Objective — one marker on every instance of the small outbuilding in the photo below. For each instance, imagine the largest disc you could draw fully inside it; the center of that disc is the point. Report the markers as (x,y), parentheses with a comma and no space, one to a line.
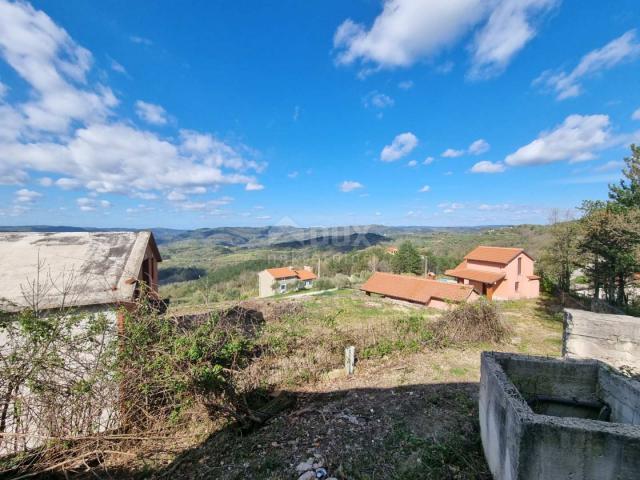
(97,270)
(423,291)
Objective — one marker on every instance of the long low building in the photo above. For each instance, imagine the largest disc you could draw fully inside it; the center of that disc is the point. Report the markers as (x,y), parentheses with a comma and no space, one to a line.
(423,291)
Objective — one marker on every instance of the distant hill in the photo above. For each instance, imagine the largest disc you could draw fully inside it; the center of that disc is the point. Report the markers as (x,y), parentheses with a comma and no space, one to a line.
(346,243)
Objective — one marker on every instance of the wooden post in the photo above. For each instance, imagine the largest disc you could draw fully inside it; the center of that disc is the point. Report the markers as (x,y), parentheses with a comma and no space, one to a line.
(349,359)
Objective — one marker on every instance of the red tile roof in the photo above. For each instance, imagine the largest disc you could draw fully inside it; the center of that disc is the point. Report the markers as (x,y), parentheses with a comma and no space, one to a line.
(415,289)
(286,272)
(502,255)
(474,274)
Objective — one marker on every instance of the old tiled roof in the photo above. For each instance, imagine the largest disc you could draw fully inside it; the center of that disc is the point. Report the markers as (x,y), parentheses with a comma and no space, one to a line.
(305,275)
(475,274)
(502,255)
(286,272)
(415,289)
(75,268)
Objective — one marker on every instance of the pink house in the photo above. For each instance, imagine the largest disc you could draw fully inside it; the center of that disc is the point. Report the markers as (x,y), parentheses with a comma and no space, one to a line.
(499,273)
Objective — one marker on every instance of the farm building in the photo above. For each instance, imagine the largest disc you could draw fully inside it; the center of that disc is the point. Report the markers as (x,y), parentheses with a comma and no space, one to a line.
(427,292)
(284,279)
(499,273)
(97,270)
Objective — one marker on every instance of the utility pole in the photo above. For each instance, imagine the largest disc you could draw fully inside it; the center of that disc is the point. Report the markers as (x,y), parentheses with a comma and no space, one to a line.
(426,266)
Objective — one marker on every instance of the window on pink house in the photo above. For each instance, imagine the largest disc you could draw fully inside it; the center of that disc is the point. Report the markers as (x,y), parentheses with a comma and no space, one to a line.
(517,286)
(519,265)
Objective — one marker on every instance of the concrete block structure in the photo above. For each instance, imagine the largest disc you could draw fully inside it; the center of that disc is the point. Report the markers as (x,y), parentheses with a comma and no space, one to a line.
(614,339)
(554,419)
(499,273)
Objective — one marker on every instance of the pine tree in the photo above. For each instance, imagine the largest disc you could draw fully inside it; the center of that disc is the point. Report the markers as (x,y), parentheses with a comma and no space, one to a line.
(627,193)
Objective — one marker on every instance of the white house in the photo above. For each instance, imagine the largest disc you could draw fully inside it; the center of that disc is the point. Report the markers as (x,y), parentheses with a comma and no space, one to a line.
(281,280)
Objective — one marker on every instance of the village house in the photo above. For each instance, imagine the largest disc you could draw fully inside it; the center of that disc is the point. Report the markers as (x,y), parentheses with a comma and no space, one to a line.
(284,279)
(392,250)
(88,270)
(423,291)
(499,273)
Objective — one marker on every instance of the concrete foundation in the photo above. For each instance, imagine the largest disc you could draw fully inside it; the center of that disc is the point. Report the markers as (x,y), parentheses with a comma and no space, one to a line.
(543,418)
(614,339)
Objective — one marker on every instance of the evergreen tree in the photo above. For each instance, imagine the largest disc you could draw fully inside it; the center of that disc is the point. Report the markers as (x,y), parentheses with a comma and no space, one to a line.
(627,193)
(407,260)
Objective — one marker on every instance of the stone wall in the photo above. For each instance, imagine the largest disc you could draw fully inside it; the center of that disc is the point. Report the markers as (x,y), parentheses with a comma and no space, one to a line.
(614,339)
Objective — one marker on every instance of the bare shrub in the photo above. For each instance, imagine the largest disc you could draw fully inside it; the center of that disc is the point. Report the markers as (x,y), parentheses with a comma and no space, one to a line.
(475,322)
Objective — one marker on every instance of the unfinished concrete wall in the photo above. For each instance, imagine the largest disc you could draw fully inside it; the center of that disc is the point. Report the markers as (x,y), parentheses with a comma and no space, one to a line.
(565,444)
(614,339)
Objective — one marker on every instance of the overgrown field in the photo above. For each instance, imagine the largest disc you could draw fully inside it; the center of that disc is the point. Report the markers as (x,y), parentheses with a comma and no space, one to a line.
(409,411)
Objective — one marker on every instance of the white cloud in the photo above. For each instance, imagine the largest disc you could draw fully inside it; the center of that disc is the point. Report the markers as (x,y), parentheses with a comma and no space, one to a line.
(567,85)
(264,217)
(401,146)
(26,196)
(45,181)
(609,166)
(3,90)
(412,163)
(428,161)
(293,174)
(151,113)
(479,147)
(488,167)
(67,183)
(636,115)
(452,153)
(117,67)
(350,186)
(407,31)
(576,139)
(378,100)
(296,113)
(253,187)
(425,189)
(90,204)
(140,40)
(507,31)
(67,128)
(176,196)
(406,85)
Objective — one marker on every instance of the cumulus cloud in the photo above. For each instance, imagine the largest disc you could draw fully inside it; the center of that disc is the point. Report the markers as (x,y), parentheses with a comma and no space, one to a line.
(67,128)
(428,161)
(425,189)
(378,100)
(401,146)
(406,85)
(412,163)
(479,147)
(151,113)
(91,204)
(576,139)
(452,153)
(253,187)
(488,167)
(350,186)
(567,85)
(507,31)
(636,115)
(26,196)
(407,31)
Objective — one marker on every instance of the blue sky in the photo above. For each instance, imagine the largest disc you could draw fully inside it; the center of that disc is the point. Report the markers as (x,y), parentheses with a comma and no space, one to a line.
(404,112)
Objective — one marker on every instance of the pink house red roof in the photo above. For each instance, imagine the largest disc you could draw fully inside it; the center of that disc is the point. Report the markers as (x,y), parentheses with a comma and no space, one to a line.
(473,274)
(415,289)
(502,255)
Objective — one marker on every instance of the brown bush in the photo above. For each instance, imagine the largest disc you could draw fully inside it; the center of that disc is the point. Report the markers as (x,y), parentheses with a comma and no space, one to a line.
(475,322)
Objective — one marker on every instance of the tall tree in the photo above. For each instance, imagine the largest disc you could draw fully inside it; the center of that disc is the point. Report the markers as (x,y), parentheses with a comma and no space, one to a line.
(627,193)
(407,260)
(559,258)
